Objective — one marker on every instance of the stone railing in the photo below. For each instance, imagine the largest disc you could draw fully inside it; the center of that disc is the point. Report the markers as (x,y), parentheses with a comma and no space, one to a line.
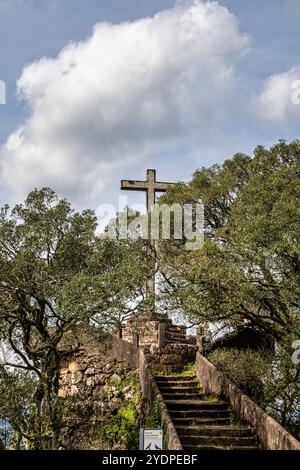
(271,434)
(151,391)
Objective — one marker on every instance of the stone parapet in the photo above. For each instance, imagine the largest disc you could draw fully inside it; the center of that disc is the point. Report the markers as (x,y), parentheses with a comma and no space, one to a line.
(271,434)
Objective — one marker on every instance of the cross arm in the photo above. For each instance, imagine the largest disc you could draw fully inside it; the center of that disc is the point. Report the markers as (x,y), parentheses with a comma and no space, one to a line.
(131,185)
(162,187)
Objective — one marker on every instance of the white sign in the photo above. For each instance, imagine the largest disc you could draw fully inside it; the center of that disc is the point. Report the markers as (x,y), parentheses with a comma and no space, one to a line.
(151,439)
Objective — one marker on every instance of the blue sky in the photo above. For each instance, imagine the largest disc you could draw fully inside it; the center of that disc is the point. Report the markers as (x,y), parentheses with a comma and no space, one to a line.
(247,108)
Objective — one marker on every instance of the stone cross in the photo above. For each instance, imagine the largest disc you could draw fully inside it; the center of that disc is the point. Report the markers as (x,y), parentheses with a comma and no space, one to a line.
(151,187)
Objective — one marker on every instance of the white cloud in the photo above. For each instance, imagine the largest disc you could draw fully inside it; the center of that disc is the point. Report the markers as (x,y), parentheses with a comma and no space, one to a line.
(278,103)
(128,91)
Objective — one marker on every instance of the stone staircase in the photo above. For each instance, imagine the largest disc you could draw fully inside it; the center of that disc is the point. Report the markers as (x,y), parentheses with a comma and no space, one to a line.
(201,422)
(177,334)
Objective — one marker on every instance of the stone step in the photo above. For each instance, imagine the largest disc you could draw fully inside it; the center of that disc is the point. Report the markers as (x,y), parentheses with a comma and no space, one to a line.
(176,331)
(199,414)
(175,378)
(182,396)
(182,405)
(177,383)
(175,339)
(203,447)
(177,328)
(215,431)
(179,334)
(184,386)
(191,414)
(181,383)
(200,421)
(224,441)
(180,341)
(176,334)
(174,388)
(187,341)
(161,318)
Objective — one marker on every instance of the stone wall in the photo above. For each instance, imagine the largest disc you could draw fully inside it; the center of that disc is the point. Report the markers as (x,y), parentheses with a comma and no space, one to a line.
(91,384)
(92,363)
(272,435)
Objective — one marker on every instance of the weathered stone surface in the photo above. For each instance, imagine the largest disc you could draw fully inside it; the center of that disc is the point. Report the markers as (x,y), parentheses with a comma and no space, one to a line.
(74,389)
(77,376)
(89,381)
(101,377)
(73,366)
(116,378)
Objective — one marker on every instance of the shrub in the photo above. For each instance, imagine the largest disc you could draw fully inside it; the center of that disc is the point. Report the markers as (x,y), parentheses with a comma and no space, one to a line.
(246,368)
